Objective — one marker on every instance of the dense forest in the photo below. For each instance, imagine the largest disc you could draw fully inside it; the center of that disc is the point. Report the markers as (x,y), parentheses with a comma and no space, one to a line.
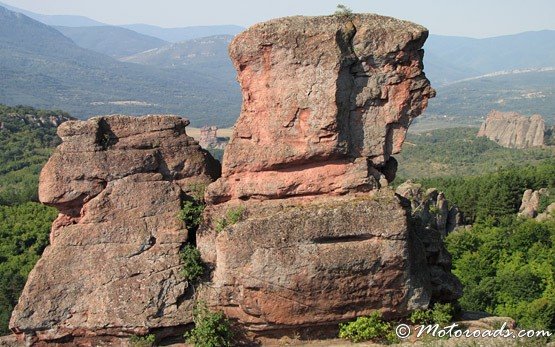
(26,140)
(506,263)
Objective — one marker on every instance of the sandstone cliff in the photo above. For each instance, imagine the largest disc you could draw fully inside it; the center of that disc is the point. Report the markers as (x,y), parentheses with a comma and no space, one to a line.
(113,264)
(512,130)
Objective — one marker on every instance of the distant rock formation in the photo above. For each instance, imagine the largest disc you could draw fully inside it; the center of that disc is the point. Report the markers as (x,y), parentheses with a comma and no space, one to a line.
(113,264)
(509,129)
(327,101)
(431,207)
(48,121)
(209,138)
(531,205)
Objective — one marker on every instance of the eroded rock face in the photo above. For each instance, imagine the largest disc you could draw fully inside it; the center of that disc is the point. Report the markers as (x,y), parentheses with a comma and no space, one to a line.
(326,101)
(301,230)
(509,129)
(431,208)
(293,263)
(113,264)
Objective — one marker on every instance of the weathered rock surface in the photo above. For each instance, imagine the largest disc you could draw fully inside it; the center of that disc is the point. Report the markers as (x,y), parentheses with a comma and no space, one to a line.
(431,208)
(326,101)
(317,262)
(296,231)
(509,129)
(113,264)
(530,206)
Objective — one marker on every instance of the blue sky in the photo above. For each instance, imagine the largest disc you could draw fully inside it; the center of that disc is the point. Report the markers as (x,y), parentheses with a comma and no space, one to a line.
(474,18)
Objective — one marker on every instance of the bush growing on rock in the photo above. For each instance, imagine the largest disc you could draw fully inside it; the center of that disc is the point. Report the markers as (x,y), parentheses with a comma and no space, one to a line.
(191,214)
(441,314)
(232,216)
(142,341)
(193,267)
(367,329)
(212,329)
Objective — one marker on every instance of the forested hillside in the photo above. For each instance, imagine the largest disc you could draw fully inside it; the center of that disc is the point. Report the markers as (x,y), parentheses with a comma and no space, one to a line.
(505,263)
(458,152)
(27,137)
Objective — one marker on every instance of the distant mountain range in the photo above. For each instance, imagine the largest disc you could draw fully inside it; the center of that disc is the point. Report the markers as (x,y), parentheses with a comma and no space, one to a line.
(448,59)
(41,67)
(77,71)
(165,34)
(187,33)
(111,40)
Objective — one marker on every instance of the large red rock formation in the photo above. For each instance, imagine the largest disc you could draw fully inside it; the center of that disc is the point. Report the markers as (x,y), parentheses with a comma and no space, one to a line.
(326,101)
(296,230)
(512,130)
(113,264)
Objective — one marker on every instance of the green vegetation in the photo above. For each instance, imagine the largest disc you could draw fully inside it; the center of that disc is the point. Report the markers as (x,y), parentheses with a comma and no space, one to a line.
(343,11)
(25,143)
(508,270)
(546,200)
(212,329)
(191,214)
(458,152)
(494,196)
(441,314)
(232,216)
(371,328)
(193,268)
(24,231)
(142,341)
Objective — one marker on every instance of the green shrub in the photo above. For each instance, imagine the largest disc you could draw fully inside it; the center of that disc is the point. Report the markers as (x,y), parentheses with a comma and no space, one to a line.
(193,268)
(442,314)
(343,11)
(196,190)
(232,216)
(421,317)
(142,341)
(212,329)
(546,200)
(368,328)
(191,214)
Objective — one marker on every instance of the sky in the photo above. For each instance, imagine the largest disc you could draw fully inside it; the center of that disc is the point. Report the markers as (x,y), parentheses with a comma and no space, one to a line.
(471,18)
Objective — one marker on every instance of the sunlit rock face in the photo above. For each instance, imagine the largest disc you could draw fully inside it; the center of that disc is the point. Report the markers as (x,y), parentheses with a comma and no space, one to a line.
(320,238)
(113,264)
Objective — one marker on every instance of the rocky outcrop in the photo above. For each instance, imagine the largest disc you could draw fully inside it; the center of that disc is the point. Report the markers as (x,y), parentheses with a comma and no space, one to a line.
(113,266)
(531,205)
(209,138)
(431,208)
(301,230)
(326,102)
(512,130)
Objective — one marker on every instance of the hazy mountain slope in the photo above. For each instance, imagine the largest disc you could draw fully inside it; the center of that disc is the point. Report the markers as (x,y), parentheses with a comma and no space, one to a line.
(41,67)
(448,58)
(208,54)
(186,33)
(64,20)
(526,93)
(111,40)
